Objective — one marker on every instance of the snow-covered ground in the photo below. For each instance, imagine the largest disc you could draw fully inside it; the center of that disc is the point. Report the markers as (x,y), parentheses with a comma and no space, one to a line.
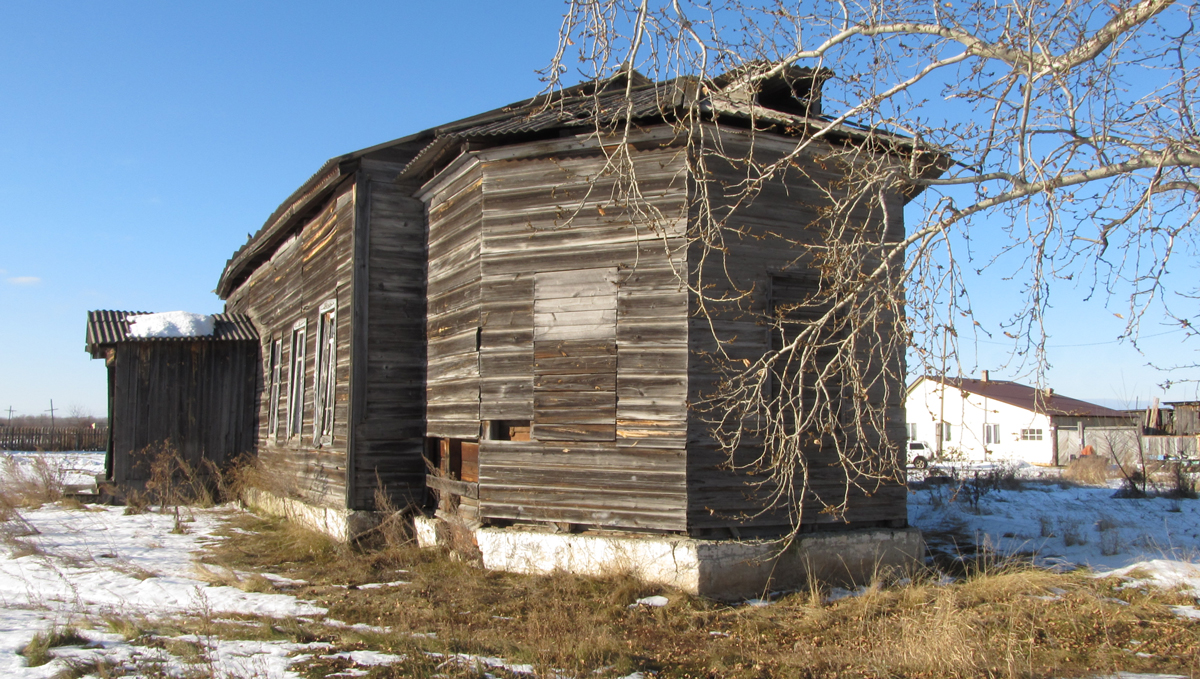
(74,468)
(82,566)
(1063,525)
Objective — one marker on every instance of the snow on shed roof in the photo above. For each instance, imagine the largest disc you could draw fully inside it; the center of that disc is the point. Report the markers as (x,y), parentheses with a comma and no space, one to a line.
(111,327)
(1029,398)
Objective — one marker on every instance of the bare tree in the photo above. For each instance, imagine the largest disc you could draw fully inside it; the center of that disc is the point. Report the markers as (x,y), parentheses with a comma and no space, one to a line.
(1055,140)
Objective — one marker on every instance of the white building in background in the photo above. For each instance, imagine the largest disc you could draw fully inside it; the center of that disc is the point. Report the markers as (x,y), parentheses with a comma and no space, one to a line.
(984,419)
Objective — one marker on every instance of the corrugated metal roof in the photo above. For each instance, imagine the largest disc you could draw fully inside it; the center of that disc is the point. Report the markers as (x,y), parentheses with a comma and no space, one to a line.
(1029,398)
(112,327)
(580,106)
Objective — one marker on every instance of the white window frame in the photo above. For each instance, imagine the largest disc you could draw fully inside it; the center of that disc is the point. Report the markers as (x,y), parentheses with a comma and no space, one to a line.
(911,428)
(274,375)
(991,434)
(295,408)
(1031,434)
(946,432)
(325,373)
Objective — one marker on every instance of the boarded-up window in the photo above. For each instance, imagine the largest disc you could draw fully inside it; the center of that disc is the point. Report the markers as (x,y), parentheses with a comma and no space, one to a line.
(274,373)
(797,306)
(296,375)
(324,379)
(575,355)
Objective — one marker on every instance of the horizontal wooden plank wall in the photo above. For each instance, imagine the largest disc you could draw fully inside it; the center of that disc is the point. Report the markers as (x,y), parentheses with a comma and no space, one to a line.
(575,355)
(389,434)
(455,208)
(543,215)
(313,266)
(786,210)
(198,397)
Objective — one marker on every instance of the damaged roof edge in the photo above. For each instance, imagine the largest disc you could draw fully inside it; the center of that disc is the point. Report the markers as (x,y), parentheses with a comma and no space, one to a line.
(679,90)
(330,173)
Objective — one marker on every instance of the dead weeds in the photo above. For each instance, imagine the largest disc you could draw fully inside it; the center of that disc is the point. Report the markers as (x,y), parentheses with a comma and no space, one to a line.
(1005,620)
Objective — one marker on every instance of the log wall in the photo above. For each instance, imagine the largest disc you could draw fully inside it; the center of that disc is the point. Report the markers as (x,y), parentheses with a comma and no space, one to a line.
(584,336)
(389,366)
(311,267)
(455,208)
(760,257)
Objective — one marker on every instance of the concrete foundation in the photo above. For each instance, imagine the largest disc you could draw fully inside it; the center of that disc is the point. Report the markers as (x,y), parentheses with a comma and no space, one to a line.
(342,525)
(721,569)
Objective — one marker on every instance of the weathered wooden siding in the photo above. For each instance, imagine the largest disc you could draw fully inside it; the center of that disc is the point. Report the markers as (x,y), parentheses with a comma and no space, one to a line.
(785,211)
(455,207)
(389,432)
(198,397)
(561,353)
(313,266)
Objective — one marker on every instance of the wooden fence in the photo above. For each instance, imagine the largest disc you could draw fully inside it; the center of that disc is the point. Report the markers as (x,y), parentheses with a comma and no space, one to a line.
(53,438)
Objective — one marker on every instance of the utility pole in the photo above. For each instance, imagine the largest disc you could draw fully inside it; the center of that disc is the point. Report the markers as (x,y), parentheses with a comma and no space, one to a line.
(51,411)
(10,409)
(941,425)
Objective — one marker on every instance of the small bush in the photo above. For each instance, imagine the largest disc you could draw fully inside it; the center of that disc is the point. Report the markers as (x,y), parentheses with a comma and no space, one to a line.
(1047,525)
(171,480)
(1111,542)
(1133,487)
(1181,484)
(1072,532)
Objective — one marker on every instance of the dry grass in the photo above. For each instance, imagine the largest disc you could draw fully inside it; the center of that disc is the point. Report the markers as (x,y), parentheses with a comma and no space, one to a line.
(1000,621)
(1091,470)
(37,651)
(172,481)
(30,481)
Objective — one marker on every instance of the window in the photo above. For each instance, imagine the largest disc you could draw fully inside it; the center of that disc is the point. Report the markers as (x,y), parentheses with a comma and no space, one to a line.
(295,407)
(1031,434)
(325,374)
(945,431)
(912,430)
(275,370)
(991,434)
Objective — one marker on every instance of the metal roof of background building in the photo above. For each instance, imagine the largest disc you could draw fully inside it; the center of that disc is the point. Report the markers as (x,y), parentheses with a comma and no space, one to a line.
(1028,398)
(112,327)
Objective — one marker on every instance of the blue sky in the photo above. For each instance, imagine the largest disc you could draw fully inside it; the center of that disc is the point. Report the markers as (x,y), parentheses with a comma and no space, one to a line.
(141,142)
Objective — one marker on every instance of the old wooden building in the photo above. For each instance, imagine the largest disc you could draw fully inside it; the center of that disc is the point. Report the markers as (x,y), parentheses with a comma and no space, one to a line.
(469,309)
(193,393)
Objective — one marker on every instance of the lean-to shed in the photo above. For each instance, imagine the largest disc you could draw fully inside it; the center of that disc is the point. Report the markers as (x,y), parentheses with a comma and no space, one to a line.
(467,310)
(194,392)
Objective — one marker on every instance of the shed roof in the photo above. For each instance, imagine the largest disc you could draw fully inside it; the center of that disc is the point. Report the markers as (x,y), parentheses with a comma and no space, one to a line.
(112,327)
(1029,398)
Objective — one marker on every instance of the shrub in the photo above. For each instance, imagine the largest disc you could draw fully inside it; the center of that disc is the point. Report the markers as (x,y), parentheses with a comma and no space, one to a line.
(1072,532)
